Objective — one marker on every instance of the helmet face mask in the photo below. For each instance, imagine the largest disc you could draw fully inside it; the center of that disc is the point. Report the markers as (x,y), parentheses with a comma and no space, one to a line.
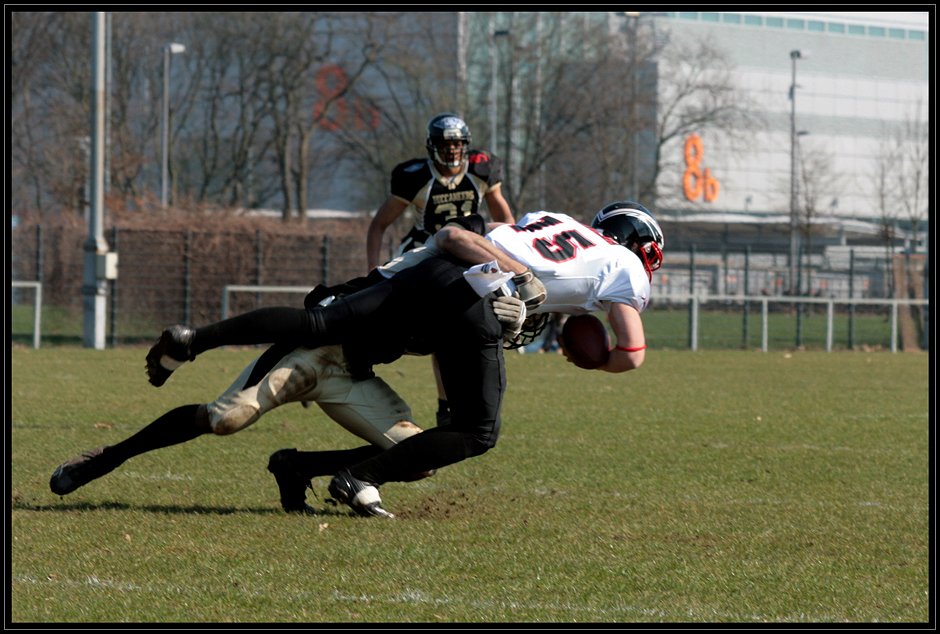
(448,140)
(632,226)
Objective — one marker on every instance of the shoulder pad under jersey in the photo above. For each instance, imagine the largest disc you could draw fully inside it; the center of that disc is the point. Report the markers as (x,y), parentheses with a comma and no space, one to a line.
(485,166)
(409,177)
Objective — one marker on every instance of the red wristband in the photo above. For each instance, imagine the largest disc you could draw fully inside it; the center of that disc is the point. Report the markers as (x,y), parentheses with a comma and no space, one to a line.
(629,349)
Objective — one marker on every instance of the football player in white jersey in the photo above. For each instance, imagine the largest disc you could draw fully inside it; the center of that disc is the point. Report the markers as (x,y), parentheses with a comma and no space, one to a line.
(432,300)
(605,267)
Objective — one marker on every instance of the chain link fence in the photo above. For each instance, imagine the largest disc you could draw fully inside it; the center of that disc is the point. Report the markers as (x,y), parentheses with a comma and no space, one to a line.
(173,276)
(178,276)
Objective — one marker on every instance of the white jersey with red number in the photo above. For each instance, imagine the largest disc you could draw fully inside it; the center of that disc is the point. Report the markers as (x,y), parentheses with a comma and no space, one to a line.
(582,270)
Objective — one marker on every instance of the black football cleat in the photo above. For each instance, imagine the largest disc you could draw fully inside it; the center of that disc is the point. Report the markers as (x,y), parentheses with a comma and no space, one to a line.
(292,485)
(360,496)
(169,353)
(80,470)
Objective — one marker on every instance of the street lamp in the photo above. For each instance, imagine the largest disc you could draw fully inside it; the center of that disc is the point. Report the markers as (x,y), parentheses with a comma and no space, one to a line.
(169,49)
(794,228)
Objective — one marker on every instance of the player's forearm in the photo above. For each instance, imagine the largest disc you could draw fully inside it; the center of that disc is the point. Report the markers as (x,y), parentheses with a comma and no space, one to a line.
(374,246)
(475,249)
(622,361)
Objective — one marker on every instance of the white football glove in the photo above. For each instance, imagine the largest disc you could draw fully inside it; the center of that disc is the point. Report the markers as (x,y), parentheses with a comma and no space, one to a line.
(511,311)
(529,289)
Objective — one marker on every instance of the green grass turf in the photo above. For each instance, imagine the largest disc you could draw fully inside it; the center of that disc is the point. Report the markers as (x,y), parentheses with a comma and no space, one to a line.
(735,487)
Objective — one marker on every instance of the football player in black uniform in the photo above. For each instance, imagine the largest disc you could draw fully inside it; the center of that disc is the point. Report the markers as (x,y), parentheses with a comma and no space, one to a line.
(449,184)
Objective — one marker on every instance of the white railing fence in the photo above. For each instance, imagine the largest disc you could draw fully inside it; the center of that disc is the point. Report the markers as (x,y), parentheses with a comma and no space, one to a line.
(234,288)
(37,307)
(696,300)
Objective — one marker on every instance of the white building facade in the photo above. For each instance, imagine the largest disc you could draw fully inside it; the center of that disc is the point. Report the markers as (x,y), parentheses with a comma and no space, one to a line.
(860,79)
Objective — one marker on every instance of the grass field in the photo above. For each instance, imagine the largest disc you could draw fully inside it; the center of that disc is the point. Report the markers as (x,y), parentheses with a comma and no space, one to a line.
(735,487)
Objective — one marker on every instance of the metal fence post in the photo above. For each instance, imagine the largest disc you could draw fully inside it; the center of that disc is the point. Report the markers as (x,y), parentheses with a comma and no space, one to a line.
(747,304)
(114,291)
(799,292)
(830,311)
(894,326)
(763,326)
(692,316)
(927,306)
(259,247)
(187,283)
(326,260)
(852,296)
(39,253)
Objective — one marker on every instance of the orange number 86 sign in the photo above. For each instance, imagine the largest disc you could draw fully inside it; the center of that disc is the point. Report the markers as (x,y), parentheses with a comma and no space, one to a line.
(694,182)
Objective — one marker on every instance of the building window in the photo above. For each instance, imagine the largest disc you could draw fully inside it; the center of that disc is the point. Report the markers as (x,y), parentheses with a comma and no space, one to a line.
(813,25)
(709,16)
(835,27)
(731,18)
(916,35)
(854,29)
(795,24)
(775,22)
(688,15)
(876,31)
(897,33)
(753,20)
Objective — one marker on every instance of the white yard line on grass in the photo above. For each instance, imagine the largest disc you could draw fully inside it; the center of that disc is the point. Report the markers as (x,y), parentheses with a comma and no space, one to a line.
(414,596)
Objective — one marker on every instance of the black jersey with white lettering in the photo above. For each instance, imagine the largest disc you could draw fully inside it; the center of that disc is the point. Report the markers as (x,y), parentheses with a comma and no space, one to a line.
(437,198)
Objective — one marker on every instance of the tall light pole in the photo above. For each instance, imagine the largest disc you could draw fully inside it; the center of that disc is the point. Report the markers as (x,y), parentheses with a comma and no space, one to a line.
(794,224)
(94,285)
(167,51)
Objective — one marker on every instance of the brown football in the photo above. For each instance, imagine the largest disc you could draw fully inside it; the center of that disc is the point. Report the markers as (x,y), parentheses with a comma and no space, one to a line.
(586,340)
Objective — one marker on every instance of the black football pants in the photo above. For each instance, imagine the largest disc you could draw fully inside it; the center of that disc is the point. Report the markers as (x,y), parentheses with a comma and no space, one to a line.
(474,376)
(430,300)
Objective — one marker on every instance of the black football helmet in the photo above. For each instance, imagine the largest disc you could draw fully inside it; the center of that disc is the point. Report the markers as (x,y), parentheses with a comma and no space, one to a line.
(631,225)
(448,127)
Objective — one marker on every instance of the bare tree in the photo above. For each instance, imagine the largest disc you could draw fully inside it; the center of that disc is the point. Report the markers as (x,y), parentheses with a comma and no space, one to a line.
(362,41)
(587,110)
(884,188)
(911,173)
(412,78)
(228,137)
(911,176)
(817,182)
(50,93)
(609,100)
(696,92)
(30,41)
(299,45)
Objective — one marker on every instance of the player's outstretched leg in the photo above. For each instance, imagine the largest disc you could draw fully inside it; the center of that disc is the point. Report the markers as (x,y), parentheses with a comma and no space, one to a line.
(179,344)
(170,352)
(292,484)
(179,425)
(360,496)
(81,470)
